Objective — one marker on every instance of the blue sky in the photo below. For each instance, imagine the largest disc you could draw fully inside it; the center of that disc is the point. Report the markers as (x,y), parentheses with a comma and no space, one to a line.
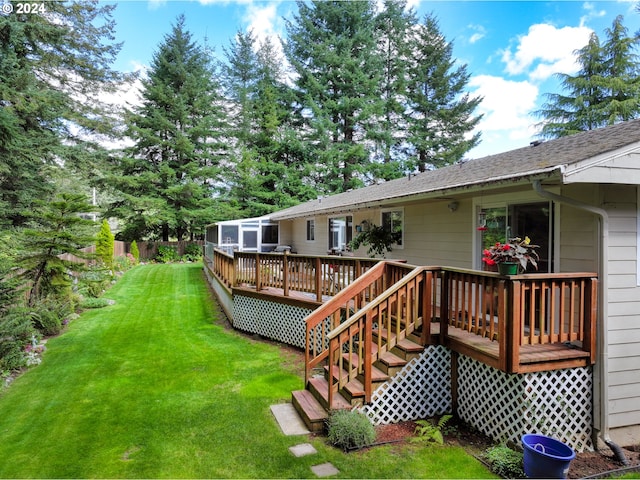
(511,48)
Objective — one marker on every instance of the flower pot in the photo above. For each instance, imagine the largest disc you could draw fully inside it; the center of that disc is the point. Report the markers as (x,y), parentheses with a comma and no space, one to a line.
(546,457)
(508,268)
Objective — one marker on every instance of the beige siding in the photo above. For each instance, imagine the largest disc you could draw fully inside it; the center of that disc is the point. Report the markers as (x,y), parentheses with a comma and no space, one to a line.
(578,232)
(624,305)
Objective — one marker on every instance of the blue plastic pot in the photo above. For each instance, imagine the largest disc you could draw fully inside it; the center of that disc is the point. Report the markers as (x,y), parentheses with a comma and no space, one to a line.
(546,457)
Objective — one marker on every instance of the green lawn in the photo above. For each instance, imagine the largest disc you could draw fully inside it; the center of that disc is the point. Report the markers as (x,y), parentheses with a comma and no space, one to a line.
(155,387)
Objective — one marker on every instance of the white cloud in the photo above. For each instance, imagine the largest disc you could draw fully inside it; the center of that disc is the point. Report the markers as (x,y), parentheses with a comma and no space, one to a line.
(479,33)
(262,19)
(507,122)
(546,50)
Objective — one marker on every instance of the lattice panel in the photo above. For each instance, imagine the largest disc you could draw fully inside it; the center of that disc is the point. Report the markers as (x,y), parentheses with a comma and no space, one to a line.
(421,390)
(277,321)
(563,398)
(505,406)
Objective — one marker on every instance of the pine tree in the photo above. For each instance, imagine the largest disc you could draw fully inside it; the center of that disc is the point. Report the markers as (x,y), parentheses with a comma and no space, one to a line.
(606,89)
(394,25)
(59,229)
(332,48)
(266,175)
(167,178)
(440,113)
(53,67)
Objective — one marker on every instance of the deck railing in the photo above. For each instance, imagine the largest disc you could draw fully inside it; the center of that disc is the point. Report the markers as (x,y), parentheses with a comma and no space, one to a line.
(319,275)
(515,311)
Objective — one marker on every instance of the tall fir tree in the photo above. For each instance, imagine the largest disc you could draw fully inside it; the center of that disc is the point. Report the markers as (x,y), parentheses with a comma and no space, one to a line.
(266,175)
(604,91)
(167,179)
(332,48)
(53,67)
(439,113)
(394,25)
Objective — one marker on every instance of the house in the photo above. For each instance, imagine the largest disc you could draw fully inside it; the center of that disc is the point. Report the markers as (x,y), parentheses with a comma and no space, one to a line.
(578,198)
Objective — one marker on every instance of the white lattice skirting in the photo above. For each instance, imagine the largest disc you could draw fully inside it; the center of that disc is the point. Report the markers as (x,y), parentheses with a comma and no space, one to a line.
(277,321)
(421,390)
(503,406)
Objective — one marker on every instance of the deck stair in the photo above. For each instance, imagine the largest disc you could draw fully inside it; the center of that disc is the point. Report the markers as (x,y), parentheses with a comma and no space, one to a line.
(359,340)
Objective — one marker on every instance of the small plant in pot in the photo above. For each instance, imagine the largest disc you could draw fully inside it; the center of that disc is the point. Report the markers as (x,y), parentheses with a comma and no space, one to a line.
(513,256)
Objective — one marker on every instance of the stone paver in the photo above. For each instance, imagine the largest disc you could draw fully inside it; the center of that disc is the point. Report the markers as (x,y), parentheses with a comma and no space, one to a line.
(288,419)
(325,470)
(303,449)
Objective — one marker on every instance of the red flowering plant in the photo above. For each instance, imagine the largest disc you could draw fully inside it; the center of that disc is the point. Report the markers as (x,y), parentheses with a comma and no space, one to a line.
(516,250)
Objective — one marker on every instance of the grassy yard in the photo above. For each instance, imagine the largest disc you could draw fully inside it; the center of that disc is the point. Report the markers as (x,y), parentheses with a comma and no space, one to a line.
(154,386)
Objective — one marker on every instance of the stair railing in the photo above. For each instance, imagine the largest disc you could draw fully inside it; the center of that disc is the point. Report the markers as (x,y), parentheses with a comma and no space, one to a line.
(395,313)
(341,307)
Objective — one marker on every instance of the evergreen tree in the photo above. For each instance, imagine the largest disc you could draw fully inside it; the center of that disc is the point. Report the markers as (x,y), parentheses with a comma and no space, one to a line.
(266,176)
(53,66)
(439,112)
(606,89)
(58,230)
(167,178)
(394,31)
(332,48)
(104,244)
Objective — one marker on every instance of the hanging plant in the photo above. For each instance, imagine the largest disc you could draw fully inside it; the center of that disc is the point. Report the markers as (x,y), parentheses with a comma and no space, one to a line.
(379,240)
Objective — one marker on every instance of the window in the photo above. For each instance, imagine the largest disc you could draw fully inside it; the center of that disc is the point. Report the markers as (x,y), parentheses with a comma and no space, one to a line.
(270,234)
(393,221)
(228,234)
(311,230)
(340,232)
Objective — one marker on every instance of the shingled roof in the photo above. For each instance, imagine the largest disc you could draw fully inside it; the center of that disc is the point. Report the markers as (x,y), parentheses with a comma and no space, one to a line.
(535,160)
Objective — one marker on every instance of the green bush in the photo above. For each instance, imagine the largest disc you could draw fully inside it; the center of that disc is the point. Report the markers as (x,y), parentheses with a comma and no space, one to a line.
(94,302)
(135,251)
(350,429)
(430,431)
(49,315)
(166,254)
(94,281)
(192,252)
(16,331)
(505,462)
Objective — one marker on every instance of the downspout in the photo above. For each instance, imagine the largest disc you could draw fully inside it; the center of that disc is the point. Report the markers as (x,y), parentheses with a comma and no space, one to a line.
(603,337)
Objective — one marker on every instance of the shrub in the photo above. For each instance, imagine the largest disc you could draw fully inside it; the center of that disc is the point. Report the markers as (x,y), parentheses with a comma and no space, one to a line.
(48,316)
(95,302)
(505,462)
(350,429)
(192,252)
(16,331)
(93,282)
(104,244)
(166,254)
(135,251)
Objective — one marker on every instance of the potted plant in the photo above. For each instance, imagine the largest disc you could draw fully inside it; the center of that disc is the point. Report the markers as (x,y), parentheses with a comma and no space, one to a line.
(510,257)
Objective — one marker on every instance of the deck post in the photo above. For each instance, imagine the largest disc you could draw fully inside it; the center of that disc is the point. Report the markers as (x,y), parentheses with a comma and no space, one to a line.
(258,276)
(514,327)
(285,273)
(367,363)
(318,279)
(444,306)
(427,306)
(591,316)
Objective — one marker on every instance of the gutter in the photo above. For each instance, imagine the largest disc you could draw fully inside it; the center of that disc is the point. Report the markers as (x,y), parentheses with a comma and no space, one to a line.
(603,337)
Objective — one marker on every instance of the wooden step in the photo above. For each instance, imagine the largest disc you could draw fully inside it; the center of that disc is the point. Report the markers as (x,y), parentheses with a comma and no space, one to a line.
(311,411)
(319,387)
(408,349)
(390,363)
(353,390)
